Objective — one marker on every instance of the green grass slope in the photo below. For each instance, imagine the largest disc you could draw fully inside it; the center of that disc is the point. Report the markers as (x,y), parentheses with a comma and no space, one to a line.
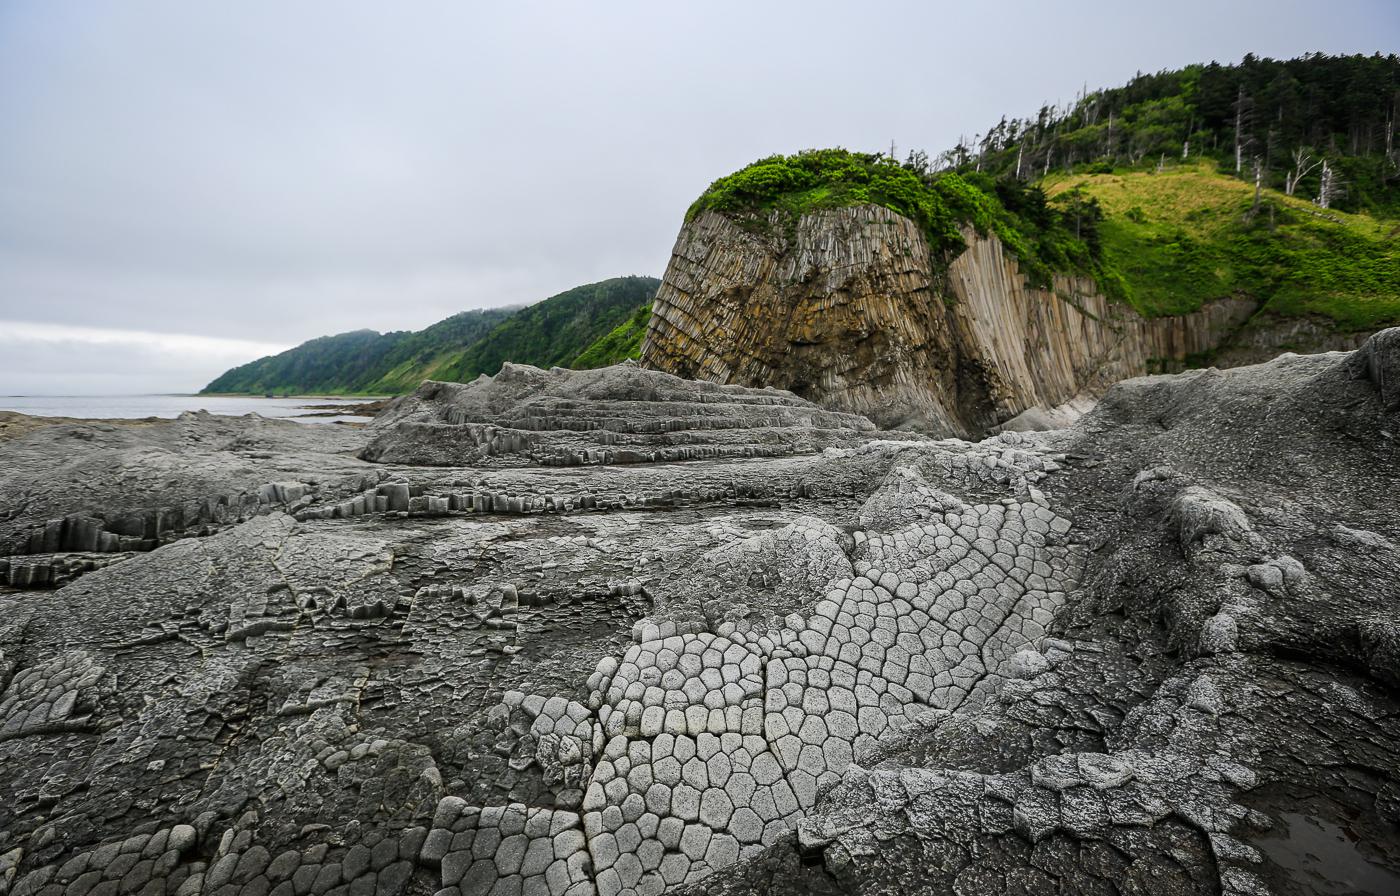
(548,333)
(1176,238)
(554,332)
(418,354)
(622,344)
(329,365)
(362,362)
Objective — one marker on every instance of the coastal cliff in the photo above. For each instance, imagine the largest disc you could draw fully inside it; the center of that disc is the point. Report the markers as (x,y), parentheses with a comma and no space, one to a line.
(844,313)
(610,632)
(849,309)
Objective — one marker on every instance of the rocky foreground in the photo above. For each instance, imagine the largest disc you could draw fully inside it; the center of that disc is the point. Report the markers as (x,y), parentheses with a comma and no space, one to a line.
(613,632)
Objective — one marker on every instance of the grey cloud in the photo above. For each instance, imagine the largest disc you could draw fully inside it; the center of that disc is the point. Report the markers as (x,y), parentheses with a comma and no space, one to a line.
(59,359)
(277,171)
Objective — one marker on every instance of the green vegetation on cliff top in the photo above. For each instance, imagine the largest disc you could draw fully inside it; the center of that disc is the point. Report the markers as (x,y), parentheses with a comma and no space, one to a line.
(553,332)
(1279,180)
(778,190)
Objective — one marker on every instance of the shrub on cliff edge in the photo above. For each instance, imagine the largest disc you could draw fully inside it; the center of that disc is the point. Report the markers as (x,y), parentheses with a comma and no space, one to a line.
(781,189)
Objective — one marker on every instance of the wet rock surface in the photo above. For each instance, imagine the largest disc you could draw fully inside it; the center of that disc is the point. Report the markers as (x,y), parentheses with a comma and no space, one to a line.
(1155,653)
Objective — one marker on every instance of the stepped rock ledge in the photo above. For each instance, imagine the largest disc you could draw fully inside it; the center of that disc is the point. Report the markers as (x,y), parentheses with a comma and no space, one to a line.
(618,633)
(850,311)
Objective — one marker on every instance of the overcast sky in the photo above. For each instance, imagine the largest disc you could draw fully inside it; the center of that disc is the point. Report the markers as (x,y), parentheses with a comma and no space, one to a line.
(186,186)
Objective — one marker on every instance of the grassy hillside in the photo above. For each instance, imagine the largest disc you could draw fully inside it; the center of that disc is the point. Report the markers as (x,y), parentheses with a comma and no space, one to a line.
(1274,179)
(1173,239)
(359,363)
(328,365)
(552,332)
(623,343)
(1316,127)
(417,356)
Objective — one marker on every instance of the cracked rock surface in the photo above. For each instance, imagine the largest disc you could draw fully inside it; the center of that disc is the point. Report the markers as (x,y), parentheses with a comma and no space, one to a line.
(616,633)
(615,415)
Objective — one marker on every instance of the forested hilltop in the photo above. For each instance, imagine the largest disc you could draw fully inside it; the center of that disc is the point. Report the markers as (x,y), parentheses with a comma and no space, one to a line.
(1316,127)
(554,332)
(1275,180)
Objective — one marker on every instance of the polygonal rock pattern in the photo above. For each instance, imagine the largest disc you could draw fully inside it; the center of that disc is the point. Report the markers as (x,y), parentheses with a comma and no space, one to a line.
(508,849)
(52,697)
(1141,655)
(697,732)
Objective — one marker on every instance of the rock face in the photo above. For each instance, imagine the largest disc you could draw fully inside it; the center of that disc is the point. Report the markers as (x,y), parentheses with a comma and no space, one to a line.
(850,312)
(1152,653)
(109,488)
(1266,335)
(620,414)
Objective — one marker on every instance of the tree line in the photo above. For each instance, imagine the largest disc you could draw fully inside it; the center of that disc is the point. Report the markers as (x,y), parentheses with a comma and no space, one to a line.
(1320,127)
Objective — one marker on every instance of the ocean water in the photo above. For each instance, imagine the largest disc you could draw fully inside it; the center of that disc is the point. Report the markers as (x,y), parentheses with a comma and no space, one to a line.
(137,406)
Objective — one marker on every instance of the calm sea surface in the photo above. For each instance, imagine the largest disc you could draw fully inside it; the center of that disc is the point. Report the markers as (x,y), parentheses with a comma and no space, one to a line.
(136,406)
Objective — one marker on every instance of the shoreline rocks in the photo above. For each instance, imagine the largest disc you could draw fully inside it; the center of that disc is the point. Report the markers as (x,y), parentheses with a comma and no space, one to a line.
(1143,651)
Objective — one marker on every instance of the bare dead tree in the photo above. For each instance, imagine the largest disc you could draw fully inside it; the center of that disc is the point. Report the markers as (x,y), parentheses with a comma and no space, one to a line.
(1390,154)
(1244,114)
(1088,111)
(1390,129)
(1390,125)
(1258,187)
(1303,163)
(1331,186)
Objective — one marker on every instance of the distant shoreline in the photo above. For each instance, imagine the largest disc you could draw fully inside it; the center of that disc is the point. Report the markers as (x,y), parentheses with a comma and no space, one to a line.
(348,397)
(148,407)
(367,408)
(365,397)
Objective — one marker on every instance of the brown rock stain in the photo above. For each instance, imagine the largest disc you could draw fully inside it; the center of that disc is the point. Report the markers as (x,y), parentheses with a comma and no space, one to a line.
(851,311)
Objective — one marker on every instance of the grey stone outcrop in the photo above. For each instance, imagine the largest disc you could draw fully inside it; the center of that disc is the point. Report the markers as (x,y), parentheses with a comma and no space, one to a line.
(850,310)
(1154,653)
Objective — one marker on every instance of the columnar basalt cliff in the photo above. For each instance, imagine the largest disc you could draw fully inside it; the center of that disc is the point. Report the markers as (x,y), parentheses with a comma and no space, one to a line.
(1023,348)
(849,309)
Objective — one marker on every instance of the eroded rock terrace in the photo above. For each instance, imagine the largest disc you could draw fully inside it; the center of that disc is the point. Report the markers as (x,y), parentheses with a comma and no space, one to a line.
(1147,654)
